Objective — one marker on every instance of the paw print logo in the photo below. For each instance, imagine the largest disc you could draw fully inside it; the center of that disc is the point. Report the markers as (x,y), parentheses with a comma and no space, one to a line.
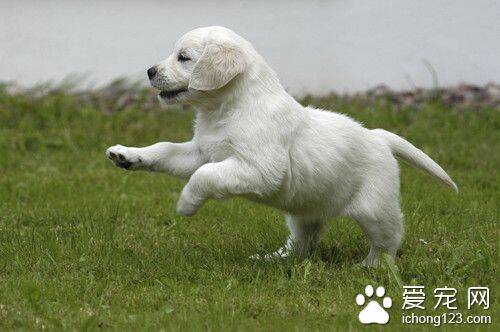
(373,312)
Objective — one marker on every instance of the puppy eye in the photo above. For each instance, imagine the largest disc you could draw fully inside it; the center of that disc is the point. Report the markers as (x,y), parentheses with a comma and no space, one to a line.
(182,58)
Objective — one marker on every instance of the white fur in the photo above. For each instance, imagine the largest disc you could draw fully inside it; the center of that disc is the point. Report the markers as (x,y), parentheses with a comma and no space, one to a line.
(253,139)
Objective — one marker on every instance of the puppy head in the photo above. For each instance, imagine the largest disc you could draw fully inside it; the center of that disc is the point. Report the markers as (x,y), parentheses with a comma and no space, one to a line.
(204,61)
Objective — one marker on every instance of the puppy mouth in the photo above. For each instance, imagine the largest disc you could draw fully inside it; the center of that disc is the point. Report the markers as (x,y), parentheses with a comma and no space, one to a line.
(171,93)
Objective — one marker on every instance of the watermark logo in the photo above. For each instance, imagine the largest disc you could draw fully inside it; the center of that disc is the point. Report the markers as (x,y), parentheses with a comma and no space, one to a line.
(442,306)
(373,312)
(445,298)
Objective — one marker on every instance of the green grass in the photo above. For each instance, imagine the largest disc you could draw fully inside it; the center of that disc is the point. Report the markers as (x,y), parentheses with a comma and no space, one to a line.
(87,246)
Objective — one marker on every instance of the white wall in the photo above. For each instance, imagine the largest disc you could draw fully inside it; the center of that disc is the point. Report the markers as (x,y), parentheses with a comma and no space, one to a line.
(315,46)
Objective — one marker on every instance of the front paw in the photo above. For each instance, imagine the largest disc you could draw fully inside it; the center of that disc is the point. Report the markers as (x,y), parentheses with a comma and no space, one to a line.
(124,157)
(188,204)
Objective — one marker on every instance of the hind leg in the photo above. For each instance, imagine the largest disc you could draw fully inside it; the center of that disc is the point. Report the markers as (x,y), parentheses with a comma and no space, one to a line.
(384,236)
(305,233)
(384,232)
(377,211)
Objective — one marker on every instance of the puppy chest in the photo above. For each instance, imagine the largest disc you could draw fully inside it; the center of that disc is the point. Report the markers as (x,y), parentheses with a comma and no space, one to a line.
(216,147)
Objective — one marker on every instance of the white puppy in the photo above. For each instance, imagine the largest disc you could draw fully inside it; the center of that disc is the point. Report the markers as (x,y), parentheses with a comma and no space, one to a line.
(252,139)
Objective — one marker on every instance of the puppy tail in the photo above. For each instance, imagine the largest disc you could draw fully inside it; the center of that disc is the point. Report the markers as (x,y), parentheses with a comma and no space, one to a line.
(405,150)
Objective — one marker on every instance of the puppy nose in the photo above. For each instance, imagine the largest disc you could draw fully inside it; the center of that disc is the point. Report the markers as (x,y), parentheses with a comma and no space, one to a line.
(152,72)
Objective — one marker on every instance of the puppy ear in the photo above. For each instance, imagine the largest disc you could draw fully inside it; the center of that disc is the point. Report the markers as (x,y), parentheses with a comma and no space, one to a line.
(220,62)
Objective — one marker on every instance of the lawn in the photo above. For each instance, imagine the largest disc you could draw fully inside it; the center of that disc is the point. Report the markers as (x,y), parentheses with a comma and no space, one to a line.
(87,246)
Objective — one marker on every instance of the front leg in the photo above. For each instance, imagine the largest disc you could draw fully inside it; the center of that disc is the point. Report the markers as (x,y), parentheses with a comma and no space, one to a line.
(125,157)
(219,180)
(179,159)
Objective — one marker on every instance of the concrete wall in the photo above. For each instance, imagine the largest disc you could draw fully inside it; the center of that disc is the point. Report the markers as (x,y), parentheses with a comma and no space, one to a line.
(315,46)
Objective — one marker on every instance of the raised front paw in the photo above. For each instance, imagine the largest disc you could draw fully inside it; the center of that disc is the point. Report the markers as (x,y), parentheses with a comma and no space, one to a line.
(186,207)
(188,204)
(124,157)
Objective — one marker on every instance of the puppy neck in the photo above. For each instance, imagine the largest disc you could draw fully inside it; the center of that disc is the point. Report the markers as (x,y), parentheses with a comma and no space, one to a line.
(258,83)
